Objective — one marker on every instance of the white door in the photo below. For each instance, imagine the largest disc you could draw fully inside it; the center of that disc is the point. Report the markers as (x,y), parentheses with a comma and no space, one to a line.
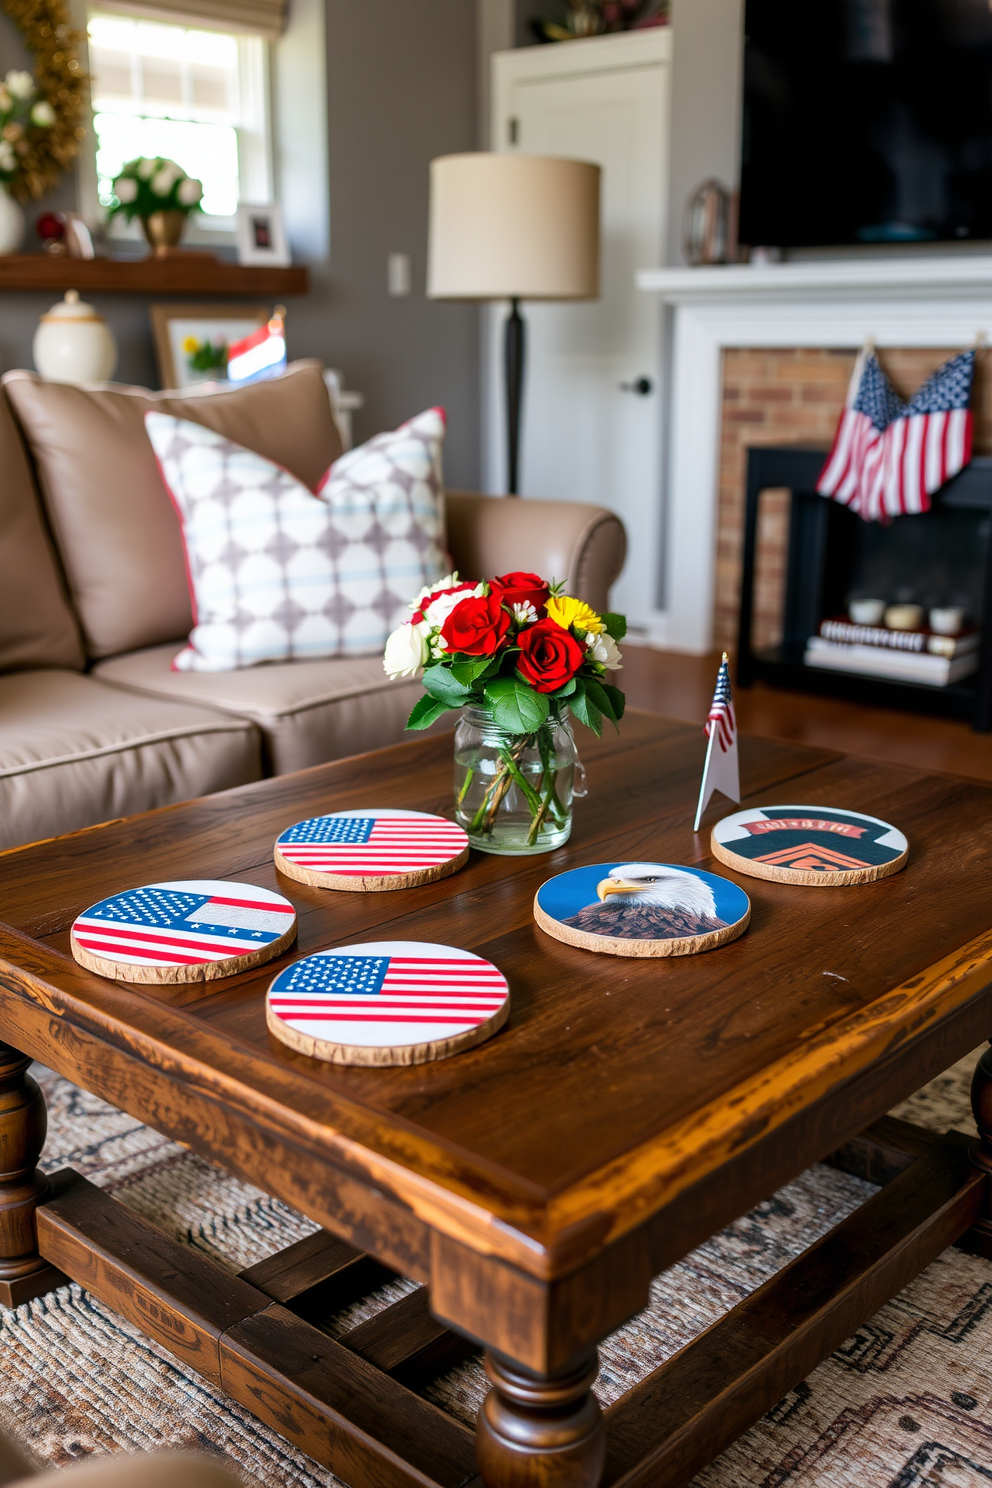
(590,430)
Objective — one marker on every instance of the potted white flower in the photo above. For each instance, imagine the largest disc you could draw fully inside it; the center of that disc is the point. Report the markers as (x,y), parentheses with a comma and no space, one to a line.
(161,195)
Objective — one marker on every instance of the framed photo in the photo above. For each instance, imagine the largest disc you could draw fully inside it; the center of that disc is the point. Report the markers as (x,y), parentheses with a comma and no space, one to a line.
(192,341)
(262,237)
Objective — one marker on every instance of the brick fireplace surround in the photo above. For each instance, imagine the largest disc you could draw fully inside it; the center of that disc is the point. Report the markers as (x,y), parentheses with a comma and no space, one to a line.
(763,355)
(794,396)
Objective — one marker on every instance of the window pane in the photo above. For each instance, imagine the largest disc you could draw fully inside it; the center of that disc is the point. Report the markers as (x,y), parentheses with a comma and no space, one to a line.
(207,151)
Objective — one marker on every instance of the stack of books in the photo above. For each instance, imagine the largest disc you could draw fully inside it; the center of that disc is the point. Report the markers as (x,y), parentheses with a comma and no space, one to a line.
(900,655)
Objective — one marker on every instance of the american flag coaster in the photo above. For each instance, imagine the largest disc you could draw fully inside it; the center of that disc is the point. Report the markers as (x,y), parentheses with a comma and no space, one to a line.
(642,909)
(817,846)
(387,1002)
(371,849)
(188,931)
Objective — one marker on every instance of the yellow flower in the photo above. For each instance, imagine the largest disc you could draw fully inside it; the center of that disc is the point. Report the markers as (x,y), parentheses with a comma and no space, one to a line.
(190,344)
(565,611)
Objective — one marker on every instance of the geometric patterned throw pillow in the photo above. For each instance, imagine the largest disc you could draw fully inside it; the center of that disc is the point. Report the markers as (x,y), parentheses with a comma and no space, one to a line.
(279,573)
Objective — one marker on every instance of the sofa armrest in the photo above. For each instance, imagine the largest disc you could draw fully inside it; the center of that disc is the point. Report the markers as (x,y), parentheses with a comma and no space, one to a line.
(584,545)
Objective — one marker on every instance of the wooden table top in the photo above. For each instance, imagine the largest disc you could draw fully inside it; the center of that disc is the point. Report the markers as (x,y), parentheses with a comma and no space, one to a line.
(617,1085)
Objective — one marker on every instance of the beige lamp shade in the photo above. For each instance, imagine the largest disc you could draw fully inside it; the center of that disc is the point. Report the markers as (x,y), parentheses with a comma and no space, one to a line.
(513,227)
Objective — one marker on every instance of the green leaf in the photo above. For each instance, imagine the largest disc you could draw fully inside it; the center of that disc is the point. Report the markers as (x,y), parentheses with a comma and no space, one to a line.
(566,691)
(465,672)
(585,710)
(515,706)
(615,625)
(616,697)
(425,711)
(600,698)
(440,683)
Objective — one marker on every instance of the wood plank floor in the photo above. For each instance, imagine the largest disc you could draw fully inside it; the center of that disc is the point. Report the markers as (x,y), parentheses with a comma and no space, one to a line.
(682,686)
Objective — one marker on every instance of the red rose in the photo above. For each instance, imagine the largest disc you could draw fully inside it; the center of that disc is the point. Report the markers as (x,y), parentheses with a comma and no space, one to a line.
(476,627)
(425,604)
(521,588)
(549,656)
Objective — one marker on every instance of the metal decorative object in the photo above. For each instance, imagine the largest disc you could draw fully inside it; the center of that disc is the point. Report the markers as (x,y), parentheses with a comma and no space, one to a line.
(706,237)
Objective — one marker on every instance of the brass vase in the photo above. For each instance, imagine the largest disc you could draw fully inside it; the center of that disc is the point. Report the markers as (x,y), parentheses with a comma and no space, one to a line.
(164,231)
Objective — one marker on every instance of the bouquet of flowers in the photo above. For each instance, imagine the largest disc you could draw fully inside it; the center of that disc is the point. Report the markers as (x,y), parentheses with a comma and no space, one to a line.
(525,652)
(23,116)
(153,184)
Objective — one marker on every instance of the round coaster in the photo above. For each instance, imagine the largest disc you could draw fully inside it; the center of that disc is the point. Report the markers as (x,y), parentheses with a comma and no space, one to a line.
(813,845)
(190,931)
(371,849)
(642,909)
(387,1002)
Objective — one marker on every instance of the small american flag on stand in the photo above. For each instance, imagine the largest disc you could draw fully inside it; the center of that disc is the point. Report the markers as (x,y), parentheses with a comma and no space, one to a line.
(720,771)
(889,457)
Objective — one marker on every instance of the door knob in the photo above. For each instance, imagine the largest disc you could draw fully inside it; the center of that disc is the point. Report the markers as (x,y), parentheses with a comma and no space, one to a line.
(641,386)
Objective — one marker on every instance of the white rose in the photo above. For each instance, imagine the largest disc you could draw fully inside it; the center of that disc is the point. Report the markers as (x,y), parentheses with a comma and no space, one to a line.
(406,651)
(20,84)
(7,157)
(163,181)
(604,649)
(6,101)
(428,590)
(146,168)
(189,192)
(439,609)
(126,189)
(43,115)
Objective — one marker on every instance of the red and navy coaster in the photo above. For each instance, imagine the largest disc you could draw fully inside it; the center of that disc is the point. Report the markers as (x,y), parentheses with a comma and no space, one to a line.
(642,909)
(811,845)
(387,1002)
(189,931)
(371,849)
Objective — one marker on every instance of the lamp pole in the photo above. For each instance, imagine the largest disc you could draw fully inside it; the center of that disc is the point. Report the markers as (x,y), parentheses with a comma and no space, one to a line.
(514,344)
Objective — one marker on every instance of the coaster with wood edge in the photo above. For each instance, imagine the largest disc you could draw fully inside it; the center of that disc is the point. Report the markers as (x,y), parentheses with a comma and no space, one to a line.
(192,930)
(389,1002)
(817,846)
(371,849)
(642,909)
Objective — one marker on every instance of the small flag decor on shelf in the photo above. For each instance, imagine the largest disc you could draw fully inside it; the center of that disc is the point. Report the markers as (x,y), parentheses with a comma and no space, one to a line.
(261,355)
(387,1003)
(720,772)
(371,849)
(188,931)
(889,457)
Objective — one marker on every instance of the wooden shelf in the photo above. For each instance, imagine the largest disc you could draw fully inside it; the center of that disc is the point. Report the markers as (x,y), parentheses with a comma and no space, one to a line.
(180,273)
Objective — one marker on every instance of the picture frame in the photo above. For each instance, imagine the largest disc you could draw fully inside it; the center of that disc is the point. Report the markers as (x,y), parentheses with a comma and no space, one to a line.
(261,236)
(212,326)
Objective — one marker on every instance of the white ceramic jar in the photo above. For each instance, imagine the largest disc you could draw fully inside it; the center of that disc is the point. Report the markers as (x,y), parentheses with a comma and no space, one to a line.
(73,343)
(11,224)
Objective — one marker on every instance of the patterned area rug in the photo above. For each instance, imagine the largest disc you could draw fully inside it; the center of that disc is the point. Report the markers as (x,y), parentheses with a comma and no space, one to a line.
(906,1403)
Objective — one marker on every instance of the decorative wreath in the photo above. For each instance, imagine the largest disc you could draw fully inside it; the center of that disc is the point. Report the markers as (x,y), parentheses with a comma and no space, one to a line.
(61,81)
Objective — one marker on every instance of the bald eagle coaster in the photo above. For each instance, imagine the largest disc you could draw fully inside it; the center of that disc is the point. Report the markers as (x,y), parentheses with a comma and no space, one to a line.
(813,845)
(387,1002)
(192,930)
(371,849)
(642,909)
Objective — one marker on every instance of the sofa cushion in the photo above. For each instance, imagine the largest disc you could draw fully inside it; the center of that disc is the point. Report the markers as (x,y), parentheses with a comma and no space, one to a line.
(74,752)
(114,525)
(37,627)
(307,711)
(280,573)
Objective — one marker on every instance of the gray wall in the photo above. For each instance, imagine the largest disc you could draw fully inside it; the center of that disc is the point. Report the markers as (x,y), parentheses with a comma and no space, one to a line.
(400,87)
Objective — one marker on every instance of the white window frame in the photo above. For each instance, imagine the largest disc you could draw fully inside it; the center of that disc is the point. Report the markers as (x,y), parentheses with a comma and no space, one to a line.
(255,148)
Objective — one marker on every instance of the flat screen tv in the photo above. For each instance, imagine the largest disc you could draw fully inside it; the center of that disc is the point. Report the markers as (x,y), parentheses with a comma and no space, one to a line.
(866,121)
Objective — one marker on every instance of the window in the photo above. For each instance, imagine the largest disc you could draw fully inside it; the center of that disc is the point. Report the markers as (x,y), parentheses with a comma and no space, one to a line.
(198,97)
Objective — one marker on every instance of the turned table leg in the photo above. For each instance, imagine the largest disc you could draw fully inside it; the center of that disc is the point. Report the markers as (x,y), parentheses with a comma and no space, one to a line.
(539,1431)
(23,1124)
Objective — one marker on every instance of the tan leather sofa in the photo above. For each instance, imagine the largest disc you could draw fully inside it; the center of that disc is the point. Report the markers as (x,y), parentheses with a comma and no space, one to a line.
(150,1469)
(94,605)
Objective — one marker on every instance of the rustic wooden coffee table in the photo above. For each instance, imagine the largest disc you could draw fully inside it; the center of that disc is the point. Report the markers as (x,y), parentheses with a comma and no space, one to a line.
(538,1183)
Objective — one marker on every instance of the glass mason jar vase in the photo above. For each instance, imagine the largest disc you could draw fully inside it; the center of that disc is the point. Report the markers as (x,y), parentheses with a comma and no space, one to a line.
(513,792)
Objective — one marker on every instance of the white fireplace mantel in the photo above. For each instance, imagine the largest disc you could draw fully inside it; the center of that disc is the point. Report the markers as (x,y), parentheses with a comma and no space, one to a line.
(907,301)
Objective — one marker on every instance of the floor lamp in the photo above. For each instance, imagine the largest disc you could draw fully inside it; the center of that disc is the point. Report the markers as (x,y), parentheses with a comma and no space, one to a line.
(513,227)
